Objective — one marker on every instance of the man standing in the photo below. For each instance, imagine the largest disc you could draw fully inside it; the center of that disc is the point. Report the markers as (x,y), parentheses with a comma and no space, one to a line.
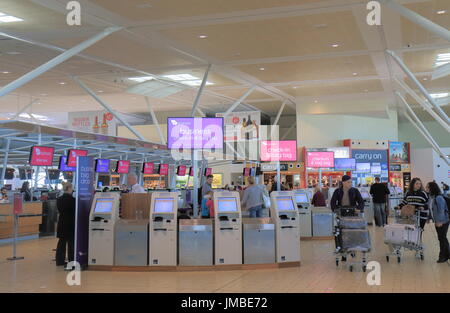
(347,195)
(207,186)
(132,182)
(379,192)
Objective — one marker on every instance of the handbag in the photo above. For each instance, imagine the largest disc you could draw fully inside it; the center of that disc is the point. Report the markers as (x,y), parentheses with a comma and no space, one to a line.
(407,211)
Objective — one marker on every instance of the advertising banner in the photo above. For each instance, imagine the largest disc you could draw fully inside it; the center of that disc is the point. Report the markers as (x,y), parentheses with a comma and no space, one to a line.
(194,133)
(241,126)
(85,193)
(278,150)
(320,159)
(398,152)
(98,122)
(370,156)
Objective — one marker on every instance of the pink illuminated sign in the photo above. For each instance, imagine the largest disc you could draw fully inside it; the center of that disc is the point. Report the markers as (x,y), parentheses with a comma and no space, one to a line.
(320,159)
(285,150)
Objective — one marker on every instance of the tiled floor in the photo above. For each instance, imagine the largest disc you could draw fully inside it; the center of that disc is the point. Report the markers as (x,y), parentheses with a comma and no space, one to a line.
(318,273)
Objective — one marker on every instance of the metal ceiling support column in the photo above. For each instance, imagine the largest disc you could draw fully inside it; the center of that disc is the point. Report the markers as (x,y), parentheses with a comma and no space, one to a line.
(24,109)
(279,112)
(202,114)
(155,121)
(422,129)
(418,19)
(200,90)
(424,104)
(242,98)
(288,131)
(196,184)
(108,108)
(419,85)
(56,61)
(5,161)
(36,176)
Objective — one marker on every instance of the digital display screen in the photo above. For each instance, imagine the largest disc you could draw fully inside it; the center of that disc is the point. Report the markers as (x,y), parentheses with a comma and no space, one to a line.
(320,159)
(285,203)
(102,165)
(365,194)
(63,165)
(345,164)
(195,133)
(301,198)
(163,205)
(284,150)
(103,205)
(181,170)
(123,167)
(226,204)
(375,169)
(164,169)
(41,156)
(72,156)
(363,167)
(148,168)
(208,171)
(191,171)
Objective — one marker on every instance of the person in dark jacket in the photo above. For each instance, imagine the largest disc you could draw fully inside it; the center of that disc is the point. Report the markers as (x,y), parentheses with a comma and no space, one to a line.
(318,198)
(66,225)
(440,216)
(25,190)
(346,195)
(379,194)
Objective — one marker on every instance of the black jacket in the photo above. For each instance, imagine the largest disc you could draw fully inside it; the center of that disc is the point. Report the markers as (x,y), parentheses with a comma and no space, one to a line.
(379,192)
(354,196)
(66,221)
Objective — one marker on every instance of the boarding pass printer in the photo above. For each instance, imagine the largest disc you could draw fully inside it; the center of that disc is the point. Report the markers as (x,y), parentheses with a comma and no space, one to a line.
(102,220)
(287,235)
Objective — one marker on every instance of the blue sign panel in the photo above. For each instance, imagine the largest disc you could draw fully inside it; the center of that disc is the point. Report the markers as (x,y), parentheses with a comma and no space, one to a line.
(370,156)
(85,193)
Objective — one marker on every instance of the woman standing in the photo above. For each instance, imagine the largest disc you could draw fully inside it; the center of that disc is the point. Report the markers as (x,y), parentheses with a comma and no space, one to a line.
(418,198)
(25,190)
(66,225)
(439,213)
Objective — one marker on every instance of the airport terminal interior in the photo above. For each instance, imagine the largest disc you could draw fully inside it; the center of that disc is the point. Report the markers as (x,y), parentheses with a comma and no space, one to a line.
(224,146)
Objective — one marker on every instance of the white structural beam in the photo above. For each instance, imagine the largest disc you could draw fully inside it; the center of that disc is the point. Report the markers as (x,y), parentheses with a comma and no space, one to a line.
(441,71)
(415,121)
(56,61)
(24,109)
(420,86)
(280,111)
(236,103)
(108,108)
(424,104)
(200,90)
(418,19)
(155,121)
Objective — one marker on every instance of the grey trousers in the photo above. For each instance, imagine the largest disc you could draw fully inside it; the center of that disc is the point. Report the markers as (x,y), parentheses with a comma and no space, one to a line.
(379,211)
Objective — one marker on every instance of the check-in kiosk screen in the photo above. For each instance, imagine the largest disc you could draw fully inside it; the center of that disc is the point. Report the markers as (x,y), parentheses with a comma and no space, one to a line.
(104,205)
(285,204)
(365,194)
(163,205)
(227,204)
(301,198)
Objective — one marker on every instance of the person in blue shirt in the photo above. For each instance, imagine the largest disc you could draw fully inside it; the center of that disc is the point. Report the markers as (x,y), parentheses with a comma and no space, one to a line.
(203,205)
(440,216)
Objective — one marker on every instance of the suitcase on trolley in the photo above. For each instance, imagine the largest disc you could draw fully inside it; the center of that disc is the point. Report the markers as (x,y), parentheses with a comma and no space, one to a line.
(352,222)
(353,240)
(402,235)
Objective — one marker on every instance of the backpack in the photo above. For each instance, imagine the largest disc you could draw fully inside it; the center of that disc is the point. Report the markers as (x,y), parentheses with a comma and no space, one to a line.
(447,200)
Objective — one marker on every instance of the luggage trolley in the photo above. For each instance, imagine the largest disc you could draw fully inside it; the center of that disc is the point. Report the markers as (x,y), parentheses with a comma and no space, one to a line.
(351,236)
(405,234)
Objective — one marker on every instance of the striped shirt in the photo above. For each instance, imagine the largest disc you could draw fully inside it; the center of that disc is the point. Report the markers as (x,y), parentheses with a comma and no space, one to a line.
(417,198)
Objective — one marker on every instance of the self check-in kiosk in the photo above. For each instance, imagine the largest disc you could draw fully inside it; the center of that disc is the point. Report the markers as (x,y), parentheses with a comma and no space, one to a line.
(287,234)
(368,206)
(228,228)
(163,229)
(102,220)
(303,202)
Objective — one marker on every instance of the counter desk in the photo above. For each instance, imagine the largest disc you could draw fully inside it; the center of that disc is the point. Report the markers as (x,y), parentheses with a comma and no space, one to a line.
(28,226)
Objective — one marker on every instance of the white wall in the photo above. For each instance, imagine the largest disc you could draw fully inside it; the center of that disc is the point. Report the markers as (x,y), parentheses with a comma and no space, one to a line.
(320,131)
(427,165)
(407,132)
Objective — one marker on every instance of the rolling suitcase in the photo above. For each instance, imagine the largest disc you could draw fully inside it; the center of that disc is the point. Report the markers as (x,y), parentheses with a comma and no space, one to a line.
(401,234)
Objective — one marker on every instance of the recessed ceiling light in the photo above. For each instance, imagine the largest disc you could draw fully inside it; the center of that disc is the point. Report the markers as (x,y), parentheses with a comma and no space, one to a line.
(5,18)
(100,91)
(13,52)
(366,90)
(320,25)
(425,78)
(316,101)
(62,83)
(261,68)
(439,95)
(354,74)
(441,12)
(335,45)
(144,6)
(295,87)
(5,72)
(202,36)
(43,94)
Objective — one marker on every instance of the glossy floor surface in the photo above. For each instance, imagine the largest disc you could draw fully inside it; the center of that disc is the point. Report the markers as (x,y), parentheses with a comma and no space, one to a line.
(318,273)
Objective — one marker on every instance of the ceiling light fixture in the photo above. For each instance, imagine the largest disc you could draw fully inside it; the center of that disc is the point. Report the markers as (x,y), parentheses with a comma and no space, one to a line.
(354,74)
(36,116)
(441,59)
(316,101)
(202,36)
(5,18)
(141,79)
(262,69)
(439,95)
(13,52)
(187,79)
(5,72)
(441,12)
(335,45)
(62,83)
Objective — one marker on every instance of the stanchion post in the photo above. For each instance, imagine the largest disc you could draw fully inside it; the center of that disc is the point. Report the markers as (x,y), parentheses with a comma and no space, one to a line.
(17,210)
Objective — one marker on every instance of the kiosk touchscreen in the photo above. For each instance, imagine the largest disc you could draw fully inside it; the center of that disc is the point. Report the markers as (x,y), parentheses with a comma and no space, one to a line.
(303,202)
(163,229)
(228,228)
(287,235)
(102,221)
